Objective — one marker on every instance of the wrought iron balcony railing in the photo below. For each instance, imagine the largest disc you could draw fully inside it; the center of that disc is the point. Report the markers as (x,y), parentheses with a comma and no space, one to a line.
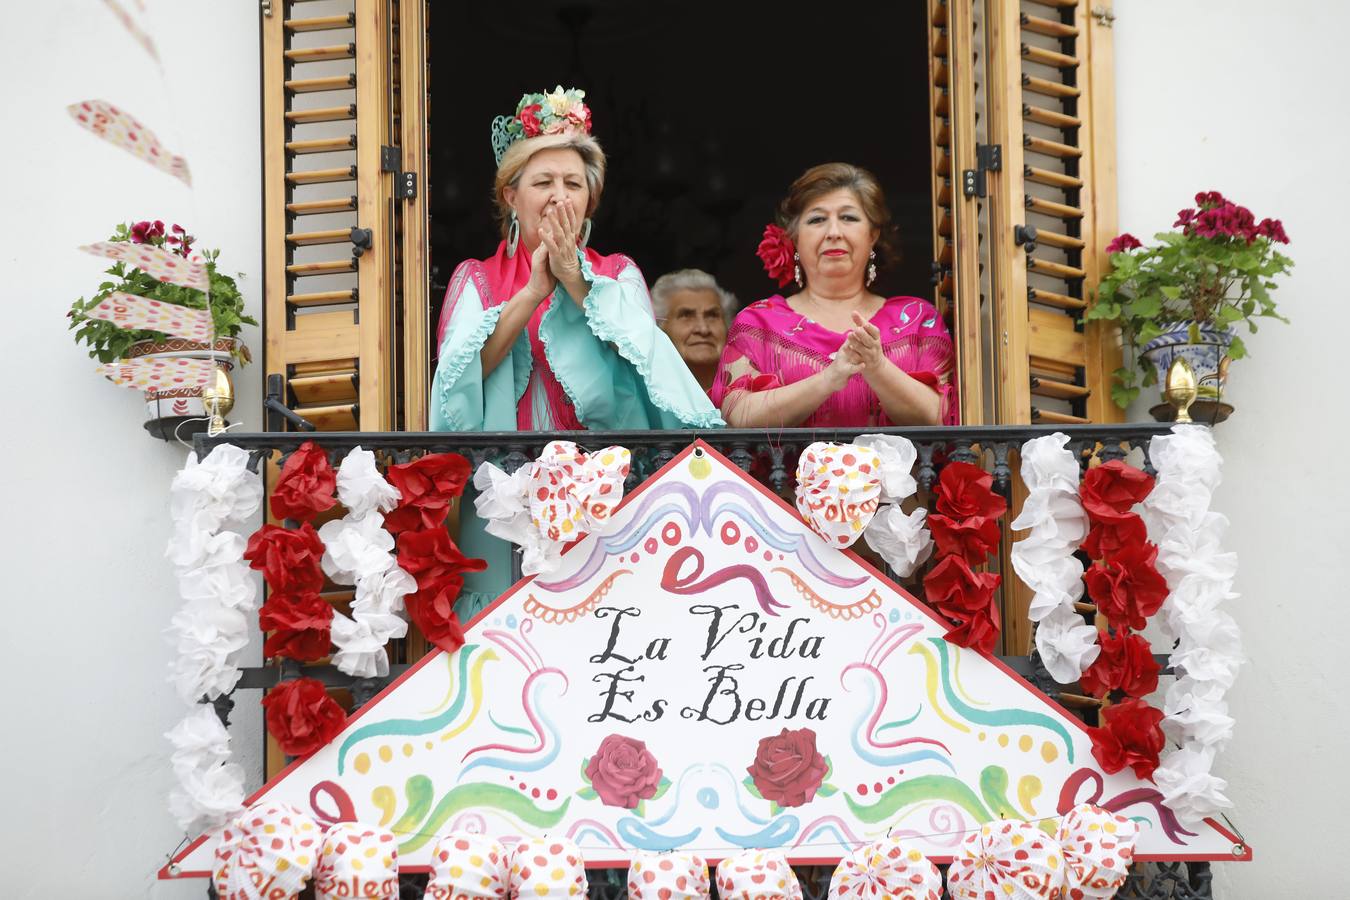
(769,455)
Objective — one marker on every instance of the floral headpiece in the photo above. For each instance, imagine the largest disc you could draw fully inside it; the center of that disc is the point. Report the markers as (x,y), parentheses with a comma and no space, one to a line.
(561,112)
(776,252)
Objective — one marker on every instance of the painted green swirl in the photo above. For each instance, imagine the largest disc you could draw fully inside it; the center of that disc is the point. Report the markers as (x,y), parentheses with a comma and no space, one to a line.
(917,790)
(994,788)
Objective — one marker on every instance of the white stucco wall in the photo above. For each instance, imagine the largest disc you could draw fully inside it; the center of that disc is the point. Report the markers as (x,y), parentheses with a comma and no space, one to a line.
(1233,95)
(1249,98)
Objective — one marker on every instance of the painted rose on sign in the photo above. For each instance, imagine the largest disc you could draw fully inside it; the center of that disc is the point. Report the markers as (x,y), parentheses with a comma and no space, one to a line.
(788,769)
(623,772)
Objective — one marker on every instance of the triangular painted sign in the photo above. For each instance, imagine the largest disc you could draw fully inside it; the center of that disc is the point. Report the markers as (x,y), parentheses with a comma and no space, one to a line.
(703,622)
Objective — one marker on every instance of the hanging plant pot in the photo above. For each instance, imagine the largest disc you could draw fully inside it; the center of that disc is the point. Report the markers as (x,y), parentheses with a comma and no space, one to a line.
(181,412)
(1205,350)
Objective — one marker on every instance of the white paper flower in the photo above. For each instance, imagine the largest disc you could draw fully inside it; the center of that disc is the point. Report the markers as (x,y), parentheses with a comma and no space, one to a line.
(228,585)
(897,462)
(203,670)
(199,740)
(208,798)
(383,592)
(1188,786)
(220,486)
(360,486)
(1067,644)
(356,547)
(1048,464)
(900,538)
(360,651)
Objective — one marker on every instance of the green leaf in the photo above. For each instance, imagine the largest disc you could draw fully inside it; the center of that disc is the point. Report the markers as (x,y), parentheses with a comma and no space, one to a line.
(587,793)
(584,764)
(750,786)
(826,790)
(641,809)
(1170,291)
(774,808)
(661,787)
(1123,396)
(1237,349)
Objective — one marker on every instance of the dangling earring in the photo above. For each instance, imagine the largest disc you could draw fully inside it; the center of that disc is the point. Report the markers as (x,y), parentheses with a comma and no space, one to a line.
(512,236)
(585,233)
(797,268)
(871,267)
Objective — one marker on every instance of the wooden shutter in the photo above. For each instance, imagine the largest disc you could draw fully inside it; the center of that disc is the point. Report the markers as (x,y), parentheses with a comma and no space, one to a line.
(1051,112)
(340,213)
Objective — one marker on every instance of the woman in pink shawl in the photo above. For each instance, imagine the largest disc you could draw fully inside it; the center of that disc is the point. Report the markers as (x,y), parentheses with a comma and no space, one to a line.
(834,354)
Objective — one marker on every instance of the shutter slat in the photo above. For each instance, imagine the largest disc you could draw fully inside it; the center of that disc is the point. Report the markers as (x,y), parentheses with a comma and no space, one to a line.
(1048,57)
(326,267)
(1056,418)
(322,207)
(322,145)
(1051,208)
(321,54)
(322,298)
(1058,270)
(1049,117)
(321,23)
(1049,27)
(1050,298)
(317,85)
(315,238)
(1048,88)
(322,176)
(323,114)
(1055,239)
(1057,390)
(1050,148)
(1056,179)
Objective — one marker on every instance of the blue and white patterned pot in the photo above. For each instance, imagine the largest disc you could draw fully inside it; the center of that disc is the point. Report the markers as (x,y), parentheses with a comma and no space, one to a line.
(1208,357)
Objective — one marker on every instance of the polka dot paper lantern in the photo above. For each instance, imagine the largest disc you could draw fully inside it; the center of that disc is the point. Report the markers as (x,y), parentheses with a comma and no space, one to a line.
(468,866)
(547,867)
(1098,850)
(268,852)
(887,870)
(357,860)
(668,876)
(757,875)
(838,490)
(1007,860)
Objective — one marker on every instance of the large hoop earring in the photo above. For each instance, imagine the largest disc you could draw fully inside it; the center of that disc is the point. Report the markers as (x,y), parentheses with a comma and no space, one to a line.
(585,233)
(871,267)
(797,268)
(512,236)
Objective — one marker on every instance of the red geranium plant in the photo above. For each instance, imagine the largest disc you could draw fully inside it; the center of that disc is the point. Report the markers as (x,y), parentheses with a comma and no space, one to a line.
(1216,268)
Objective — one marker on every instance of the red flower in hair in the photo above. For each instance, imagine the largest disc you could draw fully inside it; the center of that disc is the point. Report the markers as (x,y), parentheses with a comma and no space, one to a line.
(1107,537)
(971,539)
(301,626)
(1122,242)
(1126,664)
(1131,737)
(306,485)
(1127,587)
(965,490)
(288,558)
(776,252)
(967,598)
(1109,490)
(529,118)
(302,717)
(426,488)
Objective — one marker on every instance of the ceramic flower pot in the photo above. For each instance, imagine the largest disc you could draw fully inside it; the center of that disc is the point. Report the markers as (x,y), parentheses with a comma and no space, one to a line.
(180,412)
(1208,359)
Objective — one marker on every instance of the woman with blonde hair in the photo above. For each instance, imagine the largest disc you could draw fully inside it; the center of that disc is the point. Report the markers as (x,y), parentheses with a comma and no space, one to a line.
(547,334)
(834,354)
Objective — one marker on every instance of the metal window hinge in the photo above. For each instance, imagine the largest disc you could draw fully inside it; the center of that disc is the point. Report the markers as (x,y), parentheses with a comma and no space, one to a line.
(405,183)
(389,159)
(1104,16)
(988,158)
(267,8)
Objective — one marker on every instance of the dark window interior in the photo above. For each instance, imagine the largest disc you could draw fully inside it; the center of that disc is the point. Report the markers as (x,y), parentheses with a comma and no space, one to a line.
(707,112)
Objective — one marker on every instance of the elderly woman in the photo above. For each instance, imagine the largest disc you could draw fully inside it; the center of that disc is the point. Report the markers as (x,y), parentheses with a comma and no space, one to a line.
(834,353)
(548,334)
(694,310)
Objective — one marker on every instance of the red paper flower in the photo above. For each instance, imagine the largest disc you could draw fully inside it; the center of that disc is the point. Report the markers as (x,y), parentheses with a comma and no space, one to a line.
(1109,490)
(965,490)
(1123,242)
(288,558)
(302,717)
(776,252)
(430,555)
(788,769)
(306,485)
(432,610)
(623,772)
(1127,587)
(1108,537)
(967,598)
(426,487)
(1131,737)
(1126,664)
(300,624)
(972,539)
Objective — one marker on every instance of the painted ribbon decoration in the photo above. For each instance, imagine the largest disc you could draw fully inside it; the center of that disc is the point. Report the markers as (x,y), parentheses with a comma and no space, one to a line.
(1007,859)
(838,490)
(675,583)
(886,868)
(1098,850)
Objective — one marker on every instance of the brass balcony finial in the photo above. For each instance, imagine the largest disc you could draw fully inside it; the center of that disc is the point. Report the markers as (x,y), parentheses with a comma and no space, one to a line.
(1181,389)
(218,399)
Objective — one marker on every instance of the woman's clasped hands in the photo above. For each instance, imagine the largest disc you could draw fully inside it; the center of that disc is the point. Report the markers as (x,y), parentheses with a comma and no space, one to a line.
(860,353)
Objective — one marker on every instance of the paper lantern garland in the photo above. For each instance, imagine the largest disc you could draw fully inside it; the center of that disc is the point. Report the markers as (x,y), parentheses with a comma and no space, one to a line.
(668,876)
(1008,860)
(887,870)
(357,860)
(468,867)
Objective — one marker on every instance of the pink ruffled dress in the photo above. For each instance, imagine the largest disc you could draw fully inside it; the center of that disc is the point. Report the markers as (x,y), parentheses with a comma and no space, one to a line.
(769,345)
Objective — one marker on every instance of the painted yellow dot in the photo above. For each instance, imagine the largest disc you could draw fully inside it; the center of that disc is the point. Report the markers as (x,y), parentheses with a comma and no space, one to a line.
(607,459)
(1018,840)
(1024,743)
(1049,752)
(915,856)
(1110,827)
(1052,861)
(362,763)
(541,890)
(1008,888)
(485,881)
(982,735)
(475,860)
(557,874)
(386,754)
(456,872)
(407,749)
(430,745)
(303,861)
(1003,740)
(387,862)
(357,864)
(282,865)
(566,526)
(269,829)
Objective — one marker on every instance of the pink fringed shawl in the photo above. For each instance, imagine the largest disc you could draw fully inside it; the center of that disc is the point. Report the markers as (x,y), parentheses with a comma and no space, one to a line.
(769,345)
(499,278)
